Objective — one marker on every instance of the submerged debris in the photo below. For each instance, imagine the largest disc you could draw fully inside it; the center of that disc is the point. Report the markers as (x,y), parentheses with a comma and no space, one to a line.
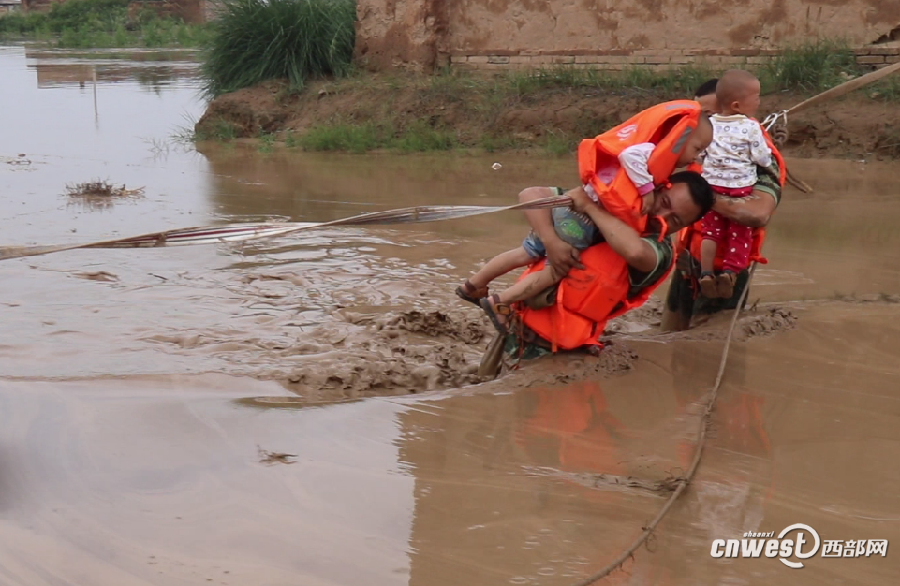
(100,194)
(267,457)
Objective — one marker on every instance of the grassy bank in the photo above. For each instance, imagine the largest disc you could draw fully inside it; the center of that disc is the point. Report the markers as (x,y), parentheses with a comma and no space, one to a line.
(88,24)
(549,110)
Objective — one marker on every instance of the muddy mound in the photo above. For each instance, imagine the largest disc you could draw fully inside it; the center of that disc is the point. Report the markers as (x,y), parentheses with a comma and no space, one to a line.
(643,318)
(408,352)
(765,323)
(244,113)
(436,324)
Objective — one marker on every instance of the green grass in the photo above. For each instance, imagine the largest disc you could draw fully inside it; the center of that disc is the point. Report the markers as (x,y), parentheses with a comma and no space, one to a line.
(558,143)
(266,142)
(887,90)
(340,136)
(492,144)
(257,40)
(101,24)
(678,81)
(810,67)
(421,137)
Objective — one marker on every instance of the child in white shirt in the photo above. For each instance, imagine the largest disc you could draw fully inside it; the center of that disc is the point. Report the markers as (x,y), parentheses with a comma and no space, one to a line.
(729,165)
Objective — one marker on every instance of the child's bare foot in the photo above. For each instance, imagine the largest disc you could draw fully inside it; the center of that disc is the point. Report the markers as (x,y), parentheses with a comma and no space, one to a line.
(471,293)
(725,284)
(498,311)
(708,285)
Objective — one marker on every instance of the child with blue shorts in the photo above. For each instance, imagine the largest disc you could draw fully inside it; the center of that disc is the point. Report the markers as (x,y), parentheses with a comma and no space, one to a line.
(572,227)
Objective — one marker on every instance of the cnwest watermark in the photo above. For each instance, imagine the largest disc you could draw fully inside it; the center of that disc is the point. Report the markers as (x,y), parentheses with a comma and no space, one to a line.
(797,540)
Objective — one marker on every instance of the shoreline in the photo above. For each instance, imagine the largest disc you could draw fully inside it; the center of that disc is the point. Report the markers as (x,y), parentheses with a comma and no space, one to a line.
(375,113)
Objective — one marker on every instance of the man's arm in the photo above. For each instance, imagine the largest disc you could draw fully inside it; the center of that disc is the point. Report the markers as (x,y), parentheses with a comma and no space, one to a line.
(621,237)
(756,209)
(562,256)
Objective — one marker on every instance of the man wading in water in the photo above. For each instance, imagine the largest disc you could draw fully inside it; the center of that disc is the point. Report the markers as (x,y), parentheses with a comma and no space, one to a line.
(631,253)
(684,300)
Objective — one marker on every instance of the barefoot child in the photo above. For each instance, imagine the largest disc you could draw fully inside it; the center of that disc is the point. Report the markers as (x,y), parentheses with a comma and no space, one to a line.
(578,231)
(729,165)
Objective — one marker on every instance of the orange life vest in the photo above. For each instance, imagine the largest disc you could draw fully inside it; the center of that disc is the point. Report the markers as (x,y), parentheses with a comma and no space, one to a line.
(587,299)
(667,125)
(691,237)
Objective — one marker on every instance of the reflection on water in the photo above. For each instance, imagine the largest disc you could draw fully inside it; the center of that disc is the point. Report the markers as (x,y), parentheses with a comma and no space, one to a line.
(152,70)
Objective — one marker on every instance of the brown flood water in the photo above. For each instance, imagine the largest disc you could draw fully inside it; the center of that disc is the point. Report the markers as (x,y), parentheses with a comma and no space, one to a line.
(139,386)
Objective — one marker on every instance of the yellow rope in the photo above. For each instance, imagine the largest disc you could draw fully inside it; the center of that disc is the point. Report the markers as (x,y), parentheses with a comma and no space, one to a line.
(683,481)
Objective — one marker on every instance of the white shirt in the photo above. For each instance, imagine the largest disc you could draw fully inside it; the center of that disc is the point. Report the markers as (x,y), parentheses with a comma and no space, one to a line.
(738,146)
(634,160)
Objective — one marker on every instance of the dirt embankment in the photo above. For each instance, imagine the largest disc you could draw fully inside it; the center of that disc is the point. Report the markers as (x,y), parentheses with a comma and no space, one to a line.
(478,113)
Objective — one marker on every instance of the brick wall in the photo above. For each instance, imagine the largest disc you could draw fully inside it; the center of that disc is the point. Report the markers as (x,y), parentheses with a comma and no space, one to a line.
(422,34)
(868,57)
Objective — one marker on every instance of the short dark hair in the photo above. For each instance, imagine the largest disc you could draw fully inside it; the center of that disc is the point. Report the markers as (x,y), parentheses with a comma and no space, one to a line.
(706,88)
(701,192)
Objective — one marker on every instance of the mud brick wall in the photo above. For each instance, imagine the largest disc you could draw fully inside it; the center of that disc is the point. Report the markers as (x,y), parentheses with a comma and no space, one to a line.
(482,34)
(868,57)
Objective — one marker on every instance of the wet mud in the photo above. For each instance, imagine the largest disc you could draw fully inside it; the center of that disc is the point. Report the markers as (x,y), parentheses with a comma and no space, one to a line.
(307,410)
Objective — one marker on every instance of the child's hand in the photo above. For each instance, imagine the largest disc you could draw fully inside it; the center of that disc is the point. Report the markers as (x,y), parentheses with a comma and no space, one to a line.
(563,257)
(581,203)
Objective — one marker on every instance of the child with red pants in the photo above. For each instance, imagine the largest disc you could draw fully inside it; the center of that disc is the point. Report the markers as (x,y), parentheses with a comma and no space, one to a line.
(729,165)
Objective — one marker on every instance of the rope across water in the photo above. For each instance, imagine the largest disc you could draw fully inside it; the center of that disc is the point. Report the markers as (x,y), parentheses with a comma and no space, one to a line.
(705,418)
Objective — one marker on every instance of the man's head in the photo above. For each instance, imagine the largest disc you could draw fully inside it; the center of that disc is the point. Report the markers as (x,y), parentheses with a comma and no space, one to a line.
(706,95)
(697,142)
(685,200)
(738,93)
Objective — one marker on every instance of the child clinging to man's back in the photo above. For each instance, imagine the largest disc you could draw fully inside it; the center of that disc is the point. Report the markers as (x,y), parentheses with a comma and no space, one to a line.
(574,228)
(729,165)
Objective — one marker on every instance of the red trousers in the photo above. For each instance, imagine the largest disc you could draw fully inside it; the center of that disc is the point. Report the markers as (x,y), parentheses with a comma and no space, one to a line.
(734,237)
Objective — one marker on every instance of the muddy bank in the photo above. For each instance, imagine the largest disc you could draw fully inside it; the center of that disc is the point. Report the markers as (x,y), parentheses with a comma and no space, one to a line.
(478,114)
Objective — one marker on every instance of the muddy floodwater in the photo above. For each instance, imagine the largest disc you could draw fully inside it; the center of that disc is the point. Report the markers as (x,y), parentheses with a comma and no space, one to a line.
(304,410)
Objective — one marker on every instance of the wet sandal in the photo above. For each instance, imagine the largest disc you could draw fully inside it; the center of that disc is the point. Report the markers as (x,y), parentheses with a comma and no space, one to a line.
(725,284)
(708,285)
(494,308)
(468,292)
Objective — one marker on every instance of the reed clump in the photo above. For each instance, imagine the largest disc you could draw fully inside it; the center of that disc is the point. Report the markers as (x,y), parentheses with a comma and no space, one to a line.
(257,40)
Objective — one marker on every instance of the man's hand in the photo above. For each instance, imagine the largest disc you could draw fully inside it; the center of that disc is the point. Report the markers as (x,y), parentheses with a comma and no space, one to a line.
(580,200)
(562,256)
